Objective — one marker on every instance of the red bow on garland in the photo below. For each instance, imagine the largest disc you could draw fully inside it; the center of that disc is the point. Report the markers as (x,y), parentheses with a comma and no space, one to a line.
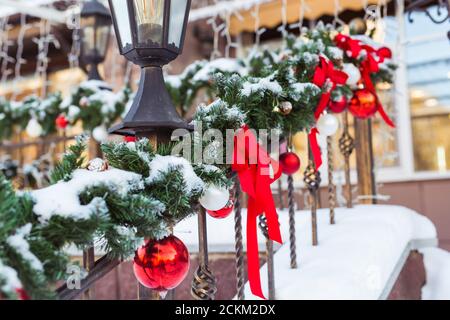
(326,77)
(369,65)
(256,172)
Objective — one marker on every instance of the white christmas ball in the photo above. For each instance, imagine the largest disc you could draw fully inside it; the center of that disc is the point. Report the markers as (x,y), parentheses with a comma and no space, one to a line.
(327,125)
(100,133)
(34,129)
(354,75)
(214,198)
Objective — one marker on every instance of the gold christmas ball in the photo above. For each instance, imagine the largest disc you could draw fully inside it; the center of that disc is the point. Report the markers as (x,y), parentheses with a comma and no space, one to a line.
(285,108)
(358,26)
(98,165)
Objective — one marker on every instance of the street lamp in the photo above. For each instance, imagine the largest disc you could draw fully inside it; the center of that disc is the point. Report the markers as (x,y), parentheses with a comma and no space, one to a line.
(150,33)
(95,22)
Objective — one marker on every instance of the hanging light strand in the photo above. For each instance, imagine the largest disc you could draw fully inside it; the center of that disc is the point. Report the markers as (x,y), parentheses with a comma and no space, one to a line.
(227,34)
(337,22)
(217,29)
(257,26)
(283,28)
(5,43)
(73,23)
(43,43)
(301,16)
(24,27)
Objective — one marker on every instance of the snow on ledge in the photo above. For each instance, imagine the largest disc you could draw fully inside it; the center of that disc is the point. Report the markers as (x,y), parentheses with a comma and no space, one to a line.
(355,258)
(437,266)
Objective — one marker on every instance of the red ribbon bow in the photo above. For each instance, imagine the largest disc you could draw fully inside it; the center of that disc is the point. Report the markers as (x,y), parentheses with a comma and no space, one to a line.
(256,172)
(370,64)
(327,77)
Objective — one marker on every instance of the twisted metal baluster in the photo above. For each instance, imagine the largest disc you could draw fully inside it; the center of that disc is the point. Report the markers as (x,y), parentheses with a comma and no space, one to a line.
(346,146)
(239,247)
(312,181)
(270,261)
(331,186)
(293,249)
(88,264)
(204,283)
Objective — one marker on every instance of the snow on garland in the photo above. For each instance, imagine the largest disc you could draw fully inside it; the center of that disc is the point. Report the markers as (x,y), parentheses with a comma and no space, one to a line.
(36,116)
(93,103)
(62,198)
(97,107)
(267,78)
(9,281)
(119,204)
(199,75)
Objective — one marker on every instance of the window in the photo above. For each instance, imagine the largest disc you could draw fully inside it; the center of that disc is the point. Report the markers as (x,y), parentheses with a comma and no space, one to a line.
(428,65)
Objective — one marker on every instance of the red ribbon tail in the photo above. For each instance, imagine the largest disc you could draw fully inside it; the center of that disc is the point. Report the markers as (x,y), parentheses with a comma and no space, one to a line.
(315,149)
(323,103)
(254,277)
(385,117)
(369,85)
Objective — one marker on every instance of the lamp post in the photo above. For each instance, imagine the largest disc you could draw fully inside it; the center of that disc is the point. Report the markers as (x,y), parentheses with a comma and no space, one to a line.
(150,33)
(95,22)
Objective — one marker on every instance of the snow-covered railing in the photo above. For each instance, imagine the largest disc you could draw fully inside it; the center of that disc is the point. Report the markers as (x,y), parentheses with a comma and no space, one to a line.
(360,257)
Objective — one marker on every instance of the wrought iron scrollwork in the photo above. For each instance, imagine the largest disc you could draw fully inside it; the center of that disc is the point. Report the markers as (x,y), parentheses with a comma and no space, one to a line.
(331,186)
(425,6)
(270,261)
(312,181)
(292,239)
(204,285)
(346,146)
(239,247)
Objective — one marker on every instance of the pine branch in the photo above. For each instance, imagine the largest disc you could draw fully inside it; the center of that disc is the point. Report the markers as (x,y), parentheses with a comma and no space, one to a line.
(71,161)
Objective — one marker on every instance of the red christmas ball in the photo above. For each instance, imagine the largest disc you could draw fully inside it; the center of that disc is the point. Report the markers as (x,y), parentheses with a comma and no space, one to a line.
(363,104)
(129,139)
(339,105)
(289,162)
(224,212)
(22,294)
(161,265)
(61,122)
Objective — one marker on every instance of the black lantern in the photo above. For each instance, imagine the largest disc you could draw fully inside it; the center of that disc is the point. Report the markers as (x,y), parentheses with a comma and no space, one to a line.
(95,22)
(150,33)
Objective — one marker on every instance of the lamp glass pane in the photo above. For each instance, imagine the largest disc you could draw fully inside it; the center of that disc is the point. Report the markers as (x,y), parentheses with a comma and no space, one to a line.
(177,14)
(88,41)
(120,13)
(103,33)
(149,20)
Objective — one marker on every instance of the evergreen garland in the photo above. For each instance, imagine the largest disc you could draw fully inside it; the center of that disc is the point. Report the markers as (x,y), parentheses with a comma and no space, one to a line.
(199,75)
(32,246)
(94,104)
(15,115)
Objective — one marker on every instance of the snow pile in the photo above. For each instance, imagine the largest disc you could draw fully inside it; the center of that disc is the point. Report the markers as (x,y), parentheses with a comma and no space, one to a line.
(107,99)
(9,279)
(354,260)
(263,84)
(173,80)
(437,266)
(298,89)
(219,65)
(219,110)
(22,247)
(62,199)
(163,164)
(95,85)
